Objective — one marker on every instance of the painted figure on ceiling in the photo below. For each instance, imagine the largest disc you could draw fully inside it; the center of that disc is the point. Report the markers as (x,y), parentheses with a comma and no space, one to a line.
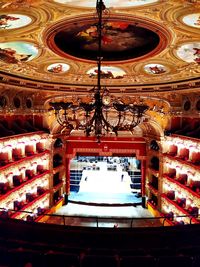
(10,55)
(4,20)
(108,3)
(197,54)
(115,34)
(56,69)
(197,22)
(105,75)
(20,3)
(156,70)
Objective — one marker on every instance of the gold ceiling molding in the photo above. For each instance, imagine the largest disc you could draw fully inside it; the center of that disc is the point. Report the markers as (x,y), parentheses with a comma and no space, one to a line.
(176,15)
(38,16)
(15,4)
(164,35)
(56,89)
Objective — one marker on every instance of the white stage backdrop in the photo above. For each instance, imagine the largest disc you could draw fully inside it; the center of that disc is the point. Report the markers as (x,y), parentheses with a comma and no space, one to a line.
(105,181)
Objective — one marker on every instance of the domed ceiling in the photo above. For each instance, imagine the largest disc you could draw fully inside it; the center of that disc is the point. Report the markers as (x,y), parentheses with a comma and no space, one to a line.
(120,41)
(153,44)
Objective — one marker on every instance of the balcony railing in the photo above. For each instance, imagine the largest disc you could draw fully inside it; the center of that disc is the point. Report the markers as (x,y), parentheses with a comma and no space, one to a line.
(101,221)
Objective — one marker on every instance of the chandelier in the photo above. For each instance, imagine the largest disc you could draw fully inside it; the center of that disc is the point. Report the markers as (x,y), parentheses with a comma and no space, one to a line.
(101,114)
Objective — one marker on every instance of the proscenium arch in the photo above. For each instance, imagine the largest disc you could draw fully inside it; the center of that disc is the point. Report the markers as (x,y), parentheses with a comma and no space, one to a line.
(108,147)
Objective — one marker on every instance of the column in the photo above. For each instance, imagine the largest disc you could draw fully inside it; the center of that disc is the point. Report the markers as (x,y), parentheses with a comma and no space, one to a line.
(67,180)
(143,178)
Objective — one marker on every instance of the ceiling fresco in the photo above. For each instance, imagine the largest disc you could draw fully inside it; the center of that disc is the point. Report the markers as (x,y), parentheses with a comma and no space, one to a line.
(144,43)
(13,21)
(15,4)
(190,52)
(155,69)
(192,20)
(120,41)
(15,52)
(107,72)
(58,68)
(108,3)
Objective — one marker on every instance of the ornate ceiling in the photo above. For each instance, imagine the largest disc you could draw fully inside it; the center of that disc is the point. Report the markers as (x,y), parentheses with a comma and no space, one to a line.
(146,44)
(151,48)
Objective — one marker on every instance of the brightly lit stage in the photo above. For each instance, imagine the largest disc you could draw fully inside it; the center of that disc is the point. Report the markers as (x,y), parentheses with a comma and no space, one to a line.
(105,187)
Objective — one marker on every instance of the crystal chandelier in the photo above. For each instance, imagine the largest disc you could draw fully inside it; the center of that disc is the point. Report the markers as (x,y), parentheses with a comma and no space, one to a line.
(101,115)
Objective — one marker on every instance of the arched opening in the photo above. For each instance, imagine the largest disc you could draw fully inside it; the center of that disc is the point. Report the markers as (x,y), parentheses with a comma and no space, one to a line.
(109,172)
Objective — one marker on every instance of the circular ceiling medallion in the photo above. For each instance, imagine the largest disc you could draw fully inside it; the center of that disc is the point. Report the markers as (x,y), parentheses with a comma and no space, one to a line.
(155,68)
(107,72)
(15,52)
(192,20)
(13,21)
(122,40)
(189,52)
(58,68)
(108,3)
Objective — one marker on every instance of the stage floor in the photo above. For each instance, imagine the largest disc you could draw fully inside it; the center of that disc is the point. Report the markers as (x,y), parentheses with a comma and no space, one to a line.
(104,199)
(121,199)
